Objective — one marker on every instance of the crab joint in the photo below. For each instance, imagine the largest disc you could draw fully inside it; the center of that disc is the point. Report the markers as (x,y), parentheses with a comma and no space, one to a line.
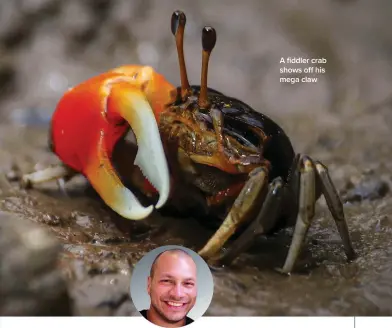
(131,105)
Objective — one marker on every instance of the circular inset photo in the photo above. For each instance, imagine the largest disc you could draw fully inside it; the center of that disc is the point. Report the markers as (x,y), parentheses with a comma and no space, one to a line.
(172,285)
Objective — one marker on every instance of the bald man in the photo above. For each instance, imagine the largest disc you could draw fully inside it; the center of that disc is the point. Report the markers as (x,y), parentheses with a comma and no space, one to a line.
(172,286)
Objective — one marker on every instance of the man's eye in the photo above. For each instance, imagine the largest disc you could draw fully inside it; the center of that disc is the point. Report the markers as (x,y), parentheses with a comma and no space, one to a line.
(189,284)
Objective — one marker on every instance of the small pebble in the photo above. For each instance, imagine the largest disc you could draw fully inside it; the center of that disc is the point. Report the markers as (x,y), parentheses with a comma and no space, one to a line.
(12,176)
(367,189)
(84,221)
(384,222)
(14,173)
(50,219)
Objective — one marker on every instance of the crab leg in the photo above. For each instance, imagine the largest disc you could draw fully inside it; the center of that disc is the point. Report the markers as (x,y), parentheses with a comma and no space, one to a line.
(59,172)
(307,200)
(265,220)
(336,208)
(242,210)
(55,172)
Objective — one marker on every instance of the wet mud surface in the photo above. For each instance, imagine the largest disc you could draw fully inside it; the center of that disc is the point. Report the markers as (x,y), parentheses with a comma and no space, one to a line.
(344,120)
(100,248)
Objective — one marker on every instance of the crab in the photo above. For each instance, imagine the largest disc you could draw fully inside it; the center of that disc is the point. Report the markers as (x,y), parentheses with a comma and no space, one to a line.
(198,151)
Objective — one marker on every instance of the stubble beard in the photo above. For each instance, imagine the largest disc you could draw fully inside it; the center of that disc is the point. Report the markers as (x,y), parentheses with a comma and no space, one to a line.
(164,317)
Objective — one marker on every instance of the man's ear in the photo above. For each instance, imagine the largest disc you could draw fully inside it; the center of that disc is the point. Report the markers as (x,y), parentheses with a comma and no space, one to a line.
(149,285)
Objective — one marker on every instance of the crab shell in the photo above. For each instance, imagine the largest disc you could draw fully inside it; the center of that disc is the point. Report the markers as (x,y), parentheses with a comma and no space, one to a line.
(90,119)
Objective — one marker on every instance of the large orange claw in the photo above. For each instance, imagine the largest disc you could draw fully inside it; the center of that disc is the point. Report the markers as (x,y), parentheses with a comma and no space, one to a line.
(91,118)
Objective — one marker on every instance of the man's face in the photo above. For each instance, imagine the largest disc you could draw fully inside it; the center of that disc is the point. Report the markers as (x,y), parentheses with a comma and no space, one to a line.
(173,288)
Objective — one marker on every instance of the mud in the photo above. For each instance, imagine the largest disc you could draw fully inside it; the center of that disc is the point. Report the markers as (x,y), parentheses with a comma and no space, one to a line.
(343,120)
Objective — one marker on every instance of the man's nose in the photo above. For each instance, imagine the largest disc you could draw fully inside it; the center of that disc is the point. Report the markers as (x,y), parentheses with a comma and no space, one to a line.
(177,291)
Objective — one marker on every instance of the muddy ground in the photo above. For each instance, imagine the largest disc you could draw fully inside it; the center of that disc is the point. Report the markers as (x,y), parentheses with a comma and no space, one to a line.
(343,120)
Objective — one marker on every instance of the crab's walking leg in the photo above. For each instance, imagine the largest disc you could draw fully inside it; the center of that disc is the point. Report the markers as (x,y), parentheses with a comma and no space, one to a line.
(335,206)
(264,221)
(59,172)
(243,208)
(306,210)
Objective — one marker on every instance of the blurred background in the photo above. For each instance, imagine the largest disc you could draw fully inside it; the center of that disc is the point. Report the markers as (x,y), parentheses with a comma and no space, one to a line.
(345,119)
(49,45)
(46,46)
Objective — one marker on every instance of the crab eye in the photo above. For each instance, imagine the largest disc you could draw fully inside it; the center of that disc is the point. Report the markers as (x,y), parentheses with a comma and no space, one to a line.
(178,20)
(208,43)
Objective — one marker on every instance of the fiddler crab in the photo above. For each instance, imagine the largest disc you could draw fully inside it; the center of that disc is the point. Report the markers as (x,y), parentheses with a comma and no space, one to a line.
(227,162)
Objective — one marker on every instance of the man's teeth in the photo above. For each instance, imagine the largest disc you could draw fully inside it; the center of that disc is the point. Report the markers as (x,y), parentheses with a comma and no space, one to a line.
(175,304)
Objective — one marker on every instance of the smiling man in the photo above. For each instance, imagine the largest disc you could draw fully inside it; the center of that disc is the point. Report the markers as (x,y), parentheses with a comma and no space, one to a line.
(172,286)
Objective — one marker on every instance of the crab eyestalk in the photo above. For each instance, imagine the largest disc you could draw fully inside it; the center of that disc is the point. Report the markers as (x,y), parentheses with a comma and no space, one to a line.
(178,22)
(208,43)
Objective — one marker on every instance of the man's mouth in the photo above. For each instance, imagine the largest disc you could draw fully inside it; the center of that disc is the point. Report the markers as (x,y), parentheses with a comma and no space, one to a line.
(175,305)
